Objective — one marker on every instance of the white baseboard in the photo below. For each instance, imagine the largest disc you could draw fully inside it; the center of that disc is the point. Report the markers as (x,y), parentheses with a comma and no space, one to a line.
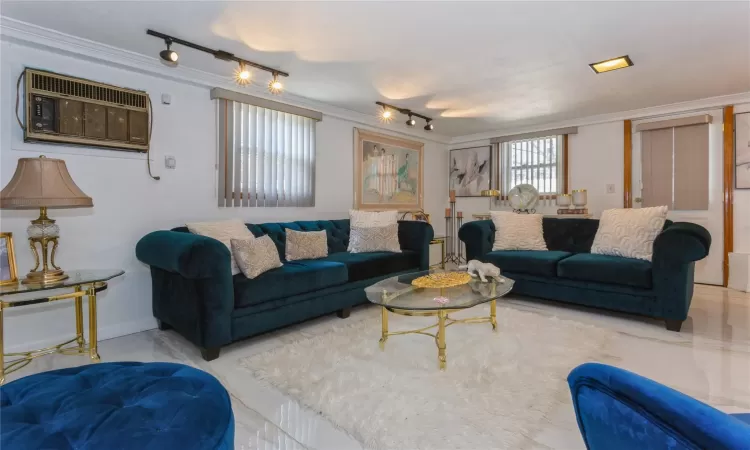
(103,333)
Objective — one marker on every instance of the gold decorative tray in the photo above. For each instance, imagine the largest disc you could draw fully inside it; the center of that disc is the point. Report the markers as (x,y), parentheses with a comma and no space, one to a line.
(442,280)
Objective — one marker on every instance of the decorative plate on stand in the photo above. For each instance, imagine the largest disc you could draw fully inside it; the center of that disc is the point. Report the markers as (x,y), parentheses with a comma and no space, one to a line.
(523,198)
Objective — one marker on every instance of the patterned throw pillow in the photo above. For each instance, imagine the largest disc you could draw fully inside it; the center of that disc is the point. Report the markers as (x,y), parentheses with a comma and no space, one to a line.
(518,231)
(629,233)
(223,231)
(306,244)
(256,256)
(374,239)
(369,219)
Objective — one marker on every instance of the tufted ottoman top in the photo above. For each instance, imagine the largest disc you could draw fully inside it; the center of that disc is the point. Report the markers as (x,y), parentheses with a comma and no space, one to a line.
(125,405)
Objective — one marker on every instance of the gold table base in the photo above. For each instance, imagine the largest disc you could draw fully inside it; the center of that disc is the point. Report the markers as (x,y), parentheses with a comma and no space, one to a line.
(444,321)
(75,346)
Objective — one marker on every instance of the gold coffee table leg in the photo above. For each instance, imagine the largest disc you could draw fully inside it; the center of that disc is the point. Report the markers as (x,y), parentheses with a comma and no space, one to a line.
(91,293)
(493,315)
(79,320)
(384,336)
(441,339)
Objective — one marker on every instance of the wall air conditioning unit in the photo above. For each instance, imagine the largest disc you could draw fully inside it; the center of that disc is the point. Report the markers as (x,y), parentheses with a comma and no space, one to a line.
(68,110)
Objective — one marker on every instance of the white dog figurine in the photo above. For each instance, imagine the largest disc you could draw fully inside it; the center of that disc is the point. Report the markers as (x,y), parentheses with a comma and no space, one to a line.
(478,268)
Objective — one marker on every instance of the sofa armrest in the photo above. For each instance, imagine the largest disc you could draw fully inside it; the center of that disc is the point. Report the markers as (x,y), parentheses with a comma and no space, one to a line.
(478,236)
(619,409)
(681,243)
(416,235)
(190,255)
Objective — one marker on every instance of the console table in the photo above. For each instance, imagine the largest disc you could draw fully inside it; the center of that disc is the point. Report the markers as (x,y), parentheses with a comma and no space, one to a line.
(82,283)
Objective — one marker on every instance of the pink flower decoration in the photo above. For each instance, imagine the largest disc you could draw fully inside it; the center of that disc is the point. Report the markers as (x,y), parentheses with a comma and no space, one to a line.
(441,300)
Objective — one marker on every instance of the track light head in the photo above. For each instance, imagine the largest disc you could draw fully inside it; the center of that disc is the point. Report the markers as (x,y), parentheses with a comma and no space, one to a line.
(429,126)
(411,122)
(169,56)
(242,75)
(275,86)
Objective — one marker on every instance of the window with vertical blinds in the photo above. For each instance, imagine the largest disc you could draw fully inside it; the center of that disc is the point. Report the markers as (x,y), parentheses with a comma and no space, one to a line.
(266,157)
(537,161)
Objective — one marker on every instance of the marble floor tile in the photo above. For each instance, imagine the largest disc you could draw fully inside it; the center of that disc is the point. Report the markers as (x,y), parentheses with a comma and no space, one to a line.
(709,360)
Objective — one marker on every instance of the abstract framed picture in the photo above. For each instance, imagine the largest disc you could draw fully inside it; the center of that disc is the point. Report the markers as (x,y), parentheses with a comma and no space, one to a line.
(8,271)
(742,151)
(388,172)
(470,170)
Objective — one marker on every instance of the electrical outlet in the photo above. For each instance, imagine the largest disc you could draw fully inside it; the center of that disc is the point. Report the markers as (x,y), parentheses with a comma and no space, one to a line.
(610,189)
(170,162)
(166,99)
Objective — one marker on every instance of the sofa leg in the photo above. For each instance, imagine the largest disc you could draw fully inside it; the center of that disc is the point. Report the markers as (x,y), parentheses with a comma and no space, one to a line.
(163,326)
(211,353)
(673,325)
(344,313)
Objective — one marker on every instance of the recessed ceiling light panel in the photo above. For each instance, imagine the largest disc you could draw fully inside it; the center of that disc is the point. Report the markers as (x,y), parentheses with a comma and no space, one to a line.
(612,64)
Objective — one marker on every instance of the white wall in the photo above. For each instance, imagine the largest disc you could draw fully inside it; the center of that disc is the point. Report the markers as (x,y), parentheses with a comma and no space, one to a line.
(742,208)
(128,204)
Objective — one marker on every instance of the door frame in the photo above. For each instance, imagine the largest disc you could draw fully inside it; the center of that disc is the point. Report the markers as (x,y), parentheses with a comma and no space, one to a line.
(728,166)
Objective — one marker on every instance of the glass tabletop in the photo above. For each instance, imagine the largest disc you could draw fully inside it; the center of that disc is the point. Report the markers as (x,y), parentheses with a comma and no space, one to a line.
(398,292)
(75,277)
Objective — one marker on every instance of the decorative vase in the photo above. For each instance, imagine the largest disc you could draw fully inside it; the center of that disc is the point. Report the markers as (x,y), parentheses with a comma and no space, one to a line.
(580,198)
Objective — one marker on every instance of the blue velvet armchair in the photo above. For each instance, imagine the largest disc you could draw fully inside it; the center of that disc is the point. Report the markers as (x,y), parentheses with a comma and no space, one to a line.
(619,410)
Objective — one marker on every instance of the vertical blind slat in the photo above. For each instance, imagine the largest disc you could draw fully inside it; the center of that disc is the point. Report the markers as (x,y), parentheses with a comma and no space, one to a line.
(229,169)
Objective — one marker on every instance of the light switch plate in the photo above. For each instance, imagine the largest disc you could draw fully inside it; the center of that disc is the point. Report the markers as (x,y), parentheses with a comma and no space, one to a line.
(610,189)
(166,99)
(170,162)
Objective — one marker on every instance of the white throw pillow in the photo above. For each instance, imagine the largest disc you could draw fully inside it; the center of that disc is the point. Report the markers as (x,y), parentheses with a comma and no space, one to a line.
(369,219)
(629,233)
(374,239)
(518,231)
(256,256)
(223,231)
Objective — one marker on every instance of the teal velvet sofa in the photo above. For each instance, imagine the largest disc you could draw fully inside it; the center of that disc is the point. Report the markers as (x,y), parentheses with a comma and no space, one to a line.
(568,272)
(195,293)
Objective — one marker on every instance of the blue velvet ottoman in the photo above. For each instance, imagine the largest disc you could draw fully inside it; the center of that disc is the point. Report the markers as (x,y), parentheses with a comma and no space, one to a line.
(125,405)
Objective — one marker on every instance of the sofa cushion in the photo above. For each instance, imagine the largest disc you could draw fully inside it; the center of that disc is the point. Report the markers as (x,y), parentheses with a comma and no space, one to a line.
(533,262)
(362,266)
(606,269)
(292,278)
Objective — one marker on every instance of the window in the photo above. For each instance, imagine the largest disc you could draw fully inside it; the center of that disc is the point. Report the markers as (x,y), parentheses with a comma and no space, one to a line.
(266,156)
(537,161)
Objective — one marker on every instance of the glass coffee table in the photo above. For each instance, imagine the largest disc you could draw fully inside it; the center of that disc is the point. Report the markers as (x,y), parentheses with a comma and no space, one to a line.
(399,296)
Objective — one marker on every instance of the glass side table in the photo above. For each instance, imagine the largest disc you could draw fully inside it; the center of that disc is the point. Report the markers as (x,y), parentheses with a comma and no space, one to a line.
(83,283)
(439,240)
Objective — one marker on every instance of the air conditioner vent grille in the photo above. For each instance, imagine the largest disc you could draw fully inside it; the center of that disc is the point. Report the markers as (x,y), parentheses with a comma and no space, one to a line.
(42,82)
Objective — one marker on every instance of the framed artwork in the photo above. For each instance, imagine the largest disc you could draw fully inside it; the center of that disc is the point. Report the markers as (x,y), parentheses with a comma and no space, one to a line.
(742,151)
(388,172)
(470,170)
(8,274)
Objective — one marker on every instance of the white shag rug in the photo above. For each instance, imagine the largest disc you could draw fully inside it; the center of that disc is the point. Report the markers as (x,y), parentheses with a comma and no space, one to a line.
(496,390)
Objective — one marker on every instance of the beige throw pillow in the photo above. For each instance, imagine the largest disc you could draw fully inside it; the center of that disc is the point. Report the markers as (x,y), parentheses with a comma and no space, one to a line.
(223,231)
(630,232)
(369,219)
(374,239)
(256,256)
(306,244)
(518,231)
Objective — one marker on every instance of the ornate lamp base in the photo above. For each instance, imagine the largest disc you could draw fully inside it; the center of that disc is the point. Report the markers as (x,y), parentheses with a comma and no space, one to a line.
(45,232)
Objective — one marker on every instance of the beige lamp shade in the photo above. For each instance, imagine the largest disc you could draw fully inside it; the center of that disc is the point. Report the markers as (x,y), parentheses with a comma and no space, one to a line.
(42,183)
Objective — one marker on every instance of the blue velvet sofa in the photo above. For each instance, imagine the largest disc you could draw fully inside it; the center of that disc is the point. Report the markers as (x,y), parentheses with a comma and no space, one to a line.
(195,293)
(568,272)
(619,410)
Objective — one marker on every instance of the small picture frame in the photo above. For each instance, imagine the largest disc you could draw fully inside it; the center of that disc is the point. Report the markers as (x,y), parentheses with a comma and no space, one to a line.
(8,271)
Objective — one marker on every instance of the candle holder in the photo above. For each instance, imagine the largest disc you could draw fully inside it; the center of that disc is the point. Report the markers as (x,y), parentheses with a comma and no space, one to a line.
(453,221)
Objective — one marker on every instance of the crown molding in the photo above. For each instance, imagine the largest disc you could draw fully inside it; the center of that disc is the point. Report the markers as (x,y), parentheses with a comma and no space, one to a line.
(643,113)
(27,34)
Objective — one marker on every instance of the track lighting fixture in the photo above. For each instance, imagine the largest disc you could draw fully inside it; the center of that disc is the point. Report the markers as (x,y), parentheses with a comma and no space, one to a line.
(387,115)
(170,56)
(275,86)
(242,74)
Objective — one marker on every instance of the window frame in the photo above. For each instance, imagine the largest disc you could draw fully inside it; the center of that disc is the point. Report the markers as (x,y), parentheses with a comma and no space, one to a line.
(561,164)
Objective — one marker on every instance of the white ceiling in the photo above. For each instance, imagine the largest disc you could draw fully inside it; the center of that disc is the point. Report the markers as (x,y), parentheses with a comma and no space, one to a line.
(477,66)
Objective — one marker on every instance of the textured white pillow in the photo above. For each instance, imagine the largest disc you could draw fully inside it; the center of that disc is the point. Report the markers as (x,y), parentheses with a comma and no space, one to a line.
(374,239)
(518,231)
(256,256)
(369,219)
(629,233)
(223,231)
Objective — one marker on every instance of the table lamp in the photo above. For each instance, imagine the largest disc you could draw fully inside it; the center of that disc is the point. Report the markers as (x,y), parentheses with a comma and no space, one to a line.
(43,183)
